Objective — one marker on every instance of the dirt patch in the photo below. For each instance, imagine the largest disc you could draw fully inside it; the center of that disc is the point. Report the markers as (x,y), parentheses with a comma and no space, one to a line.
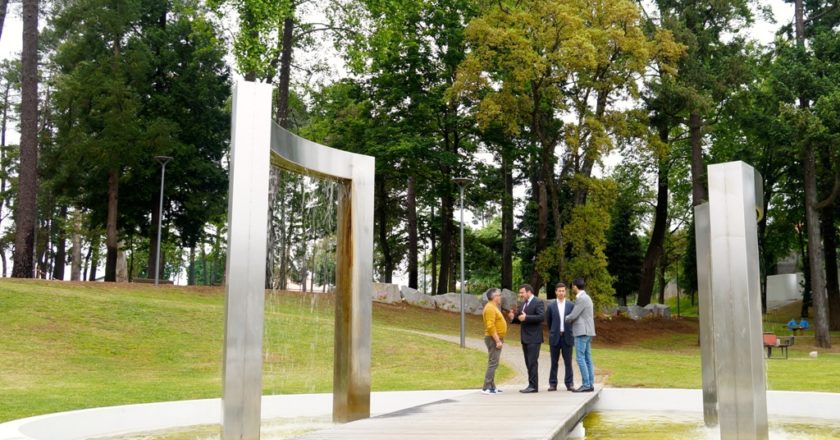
(625,331)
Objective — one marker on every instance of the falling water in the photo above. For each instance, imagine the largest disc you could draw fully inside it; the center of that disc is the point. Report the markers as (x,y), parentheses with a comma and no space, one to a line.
(298,338)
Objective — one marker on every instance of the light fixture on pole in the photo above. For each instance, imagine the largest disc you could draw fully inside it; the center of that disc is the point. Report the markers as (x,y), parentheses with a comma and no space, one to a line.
(163,160)
(462,183)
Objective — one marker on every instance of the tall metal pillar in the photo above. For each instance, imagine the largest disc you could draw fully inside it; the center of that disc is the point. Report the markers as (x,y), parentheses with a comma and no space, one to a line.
(245,267)
(729,278)
(702,237)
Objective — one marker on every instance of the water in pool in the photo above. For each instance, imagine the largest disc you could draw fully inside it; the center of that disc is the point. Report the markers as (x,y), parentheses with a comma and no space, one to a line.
(689,426)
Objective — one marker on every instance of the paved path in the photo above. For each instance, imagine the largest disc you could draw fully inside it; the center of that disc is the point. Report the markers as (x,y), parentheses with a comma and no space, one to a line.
(473,415)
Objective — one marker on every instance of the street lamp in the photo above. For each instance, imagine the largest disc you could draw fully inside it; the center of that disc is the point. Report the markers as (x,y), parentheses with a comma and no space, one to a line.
(462,183)
(163,160)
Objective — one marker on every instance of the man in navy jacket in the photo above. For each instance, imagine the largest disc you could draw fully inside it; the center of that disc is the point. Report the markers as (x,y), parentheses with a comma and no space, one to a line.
(560,337)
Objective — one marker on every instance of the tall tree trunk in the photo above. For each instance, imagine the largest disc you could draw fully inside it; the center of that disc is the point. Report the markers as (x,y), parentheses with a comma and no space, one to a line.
(699,195)
(766,261)
(588,155)
(204,278)
(434,250)
(26,209)
(191,270)
(4,5)
(282,117)
(153,244)
(60,253)
(411,220)
(662,282)
(542,232)
(43,253)
(454,272)
(507,223)
(657,239)
(285,73)
(3,125)
(382,217)
(284,239)
(111,238)
(445,241)
(93,255)
(76,243)
(832,284)
(816,259)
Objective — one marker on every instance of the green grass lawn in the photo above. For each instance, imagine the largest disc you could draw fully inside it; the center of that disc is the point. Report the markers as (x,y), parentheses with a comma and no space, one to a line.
(673,361)
(77,345)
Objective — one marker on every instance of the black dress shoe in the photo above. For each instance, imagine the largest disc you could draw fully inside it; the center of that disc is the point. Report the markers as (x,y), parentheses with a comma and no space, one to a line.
(528,390)
(570,388)
(552,388)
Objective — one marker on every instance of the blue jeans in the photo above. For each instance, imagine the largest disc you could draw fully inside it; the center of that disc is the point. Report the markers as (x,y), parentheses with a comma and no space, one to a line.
(583,354)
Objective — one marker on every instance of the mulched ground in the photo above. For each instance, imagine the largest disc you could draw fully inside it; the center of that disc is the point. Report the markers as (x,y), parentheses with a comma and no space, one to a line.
(623,331)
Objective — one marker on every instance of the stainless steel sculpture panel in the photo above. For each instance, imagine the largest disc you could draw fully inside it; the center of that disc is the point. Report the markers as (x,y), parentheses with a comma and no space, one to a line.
(702,236)
(245,267)
(257,143)
(732,310)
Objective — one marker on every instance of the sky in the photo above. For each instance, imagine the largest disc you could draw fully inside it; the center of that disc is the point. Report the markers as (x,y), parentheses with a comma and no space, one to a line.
(762,31)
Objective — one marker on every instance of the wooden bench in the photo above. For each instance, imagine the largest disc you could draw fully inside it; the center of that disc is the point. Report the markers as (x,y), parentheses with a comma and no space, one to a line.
(772,341)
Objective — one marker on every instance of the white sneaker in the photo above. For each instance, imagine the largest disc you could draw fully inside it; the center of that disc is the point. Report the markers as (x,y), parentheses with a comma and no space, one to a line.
(488,391)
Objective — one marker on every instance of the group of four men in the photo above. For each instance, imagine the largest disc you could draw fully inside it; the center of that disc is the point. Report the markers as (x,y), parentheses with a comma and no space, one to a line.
(569,324)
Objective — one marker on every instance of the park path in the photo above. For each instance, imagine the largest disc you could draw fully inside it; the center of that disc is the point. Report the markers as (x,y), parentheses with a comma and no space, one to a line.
(475,416)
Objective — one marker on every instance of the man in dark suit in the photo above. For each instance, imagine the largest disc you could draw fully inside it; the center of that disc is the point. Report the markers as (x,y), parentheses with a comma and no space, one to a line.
(530,316)
(560,337)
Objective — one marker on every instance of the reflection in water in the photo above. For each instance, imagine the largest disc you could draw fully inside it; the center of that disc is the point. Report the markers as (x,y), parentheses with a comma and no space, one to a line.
(689,426)
(275,429)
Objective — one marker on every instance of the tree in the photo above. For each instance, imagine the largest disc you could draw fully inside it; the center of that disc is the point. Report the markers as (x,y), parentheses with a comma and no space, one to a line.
(409,52)
(812,88)
(26,207)
(624,248)
(710,69)
(536,63)
(131,95)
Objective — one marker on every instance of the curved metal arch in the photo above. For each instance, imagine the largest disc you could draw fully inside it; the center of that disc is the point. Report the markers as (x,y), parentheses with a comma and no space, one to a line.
(294,153)
(253,136)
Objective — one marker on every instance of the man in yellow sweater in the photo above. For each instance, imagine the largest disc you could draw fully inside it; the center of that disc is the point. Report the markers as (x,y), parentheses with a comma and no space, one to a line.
(495,328)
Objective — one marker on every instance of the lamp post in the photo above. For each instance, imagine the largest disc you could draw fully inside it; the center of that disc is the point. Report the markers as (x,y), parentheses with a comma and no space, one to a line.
(163,160)
(462,183)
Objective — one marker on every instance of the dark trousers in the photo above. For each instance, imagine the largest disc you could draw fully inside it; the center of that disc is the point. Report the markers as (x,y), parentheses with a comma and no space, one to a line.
(532,355)
(566,351)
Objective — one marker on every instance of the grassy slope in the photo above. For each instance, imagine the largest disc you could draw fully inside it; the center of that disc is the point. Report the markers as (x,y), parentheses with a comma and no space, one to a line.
(76,345)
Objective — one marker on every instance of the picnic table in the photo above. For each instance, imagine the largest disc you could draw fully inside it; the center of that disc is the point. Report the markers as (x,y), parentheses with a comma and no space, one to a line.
(772,341)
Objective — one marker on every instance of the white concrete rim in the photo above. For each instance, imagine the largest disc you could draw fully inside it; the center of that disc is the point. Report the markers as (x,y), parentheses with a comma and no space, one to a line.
(126,419)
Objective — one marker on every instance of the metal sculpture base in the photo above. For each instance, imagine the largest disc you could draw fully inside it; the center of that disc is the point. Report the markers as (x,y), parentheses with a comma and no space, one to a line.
(734,377)
(257,143)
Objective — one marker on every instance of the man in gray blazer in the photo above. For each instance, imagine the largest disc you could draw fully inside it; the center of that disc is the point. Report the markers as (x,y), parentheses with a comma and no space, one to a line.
(582,319)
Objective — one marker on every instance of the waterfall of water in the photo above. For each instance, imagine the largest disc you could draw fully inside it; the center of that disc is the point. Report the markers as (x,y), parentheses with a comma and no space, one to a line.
(298,330)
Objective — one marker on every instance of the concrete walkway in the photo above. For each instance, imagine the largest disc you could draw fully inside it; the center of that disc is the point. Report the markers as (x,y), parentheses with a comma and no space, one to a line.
(473,415)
